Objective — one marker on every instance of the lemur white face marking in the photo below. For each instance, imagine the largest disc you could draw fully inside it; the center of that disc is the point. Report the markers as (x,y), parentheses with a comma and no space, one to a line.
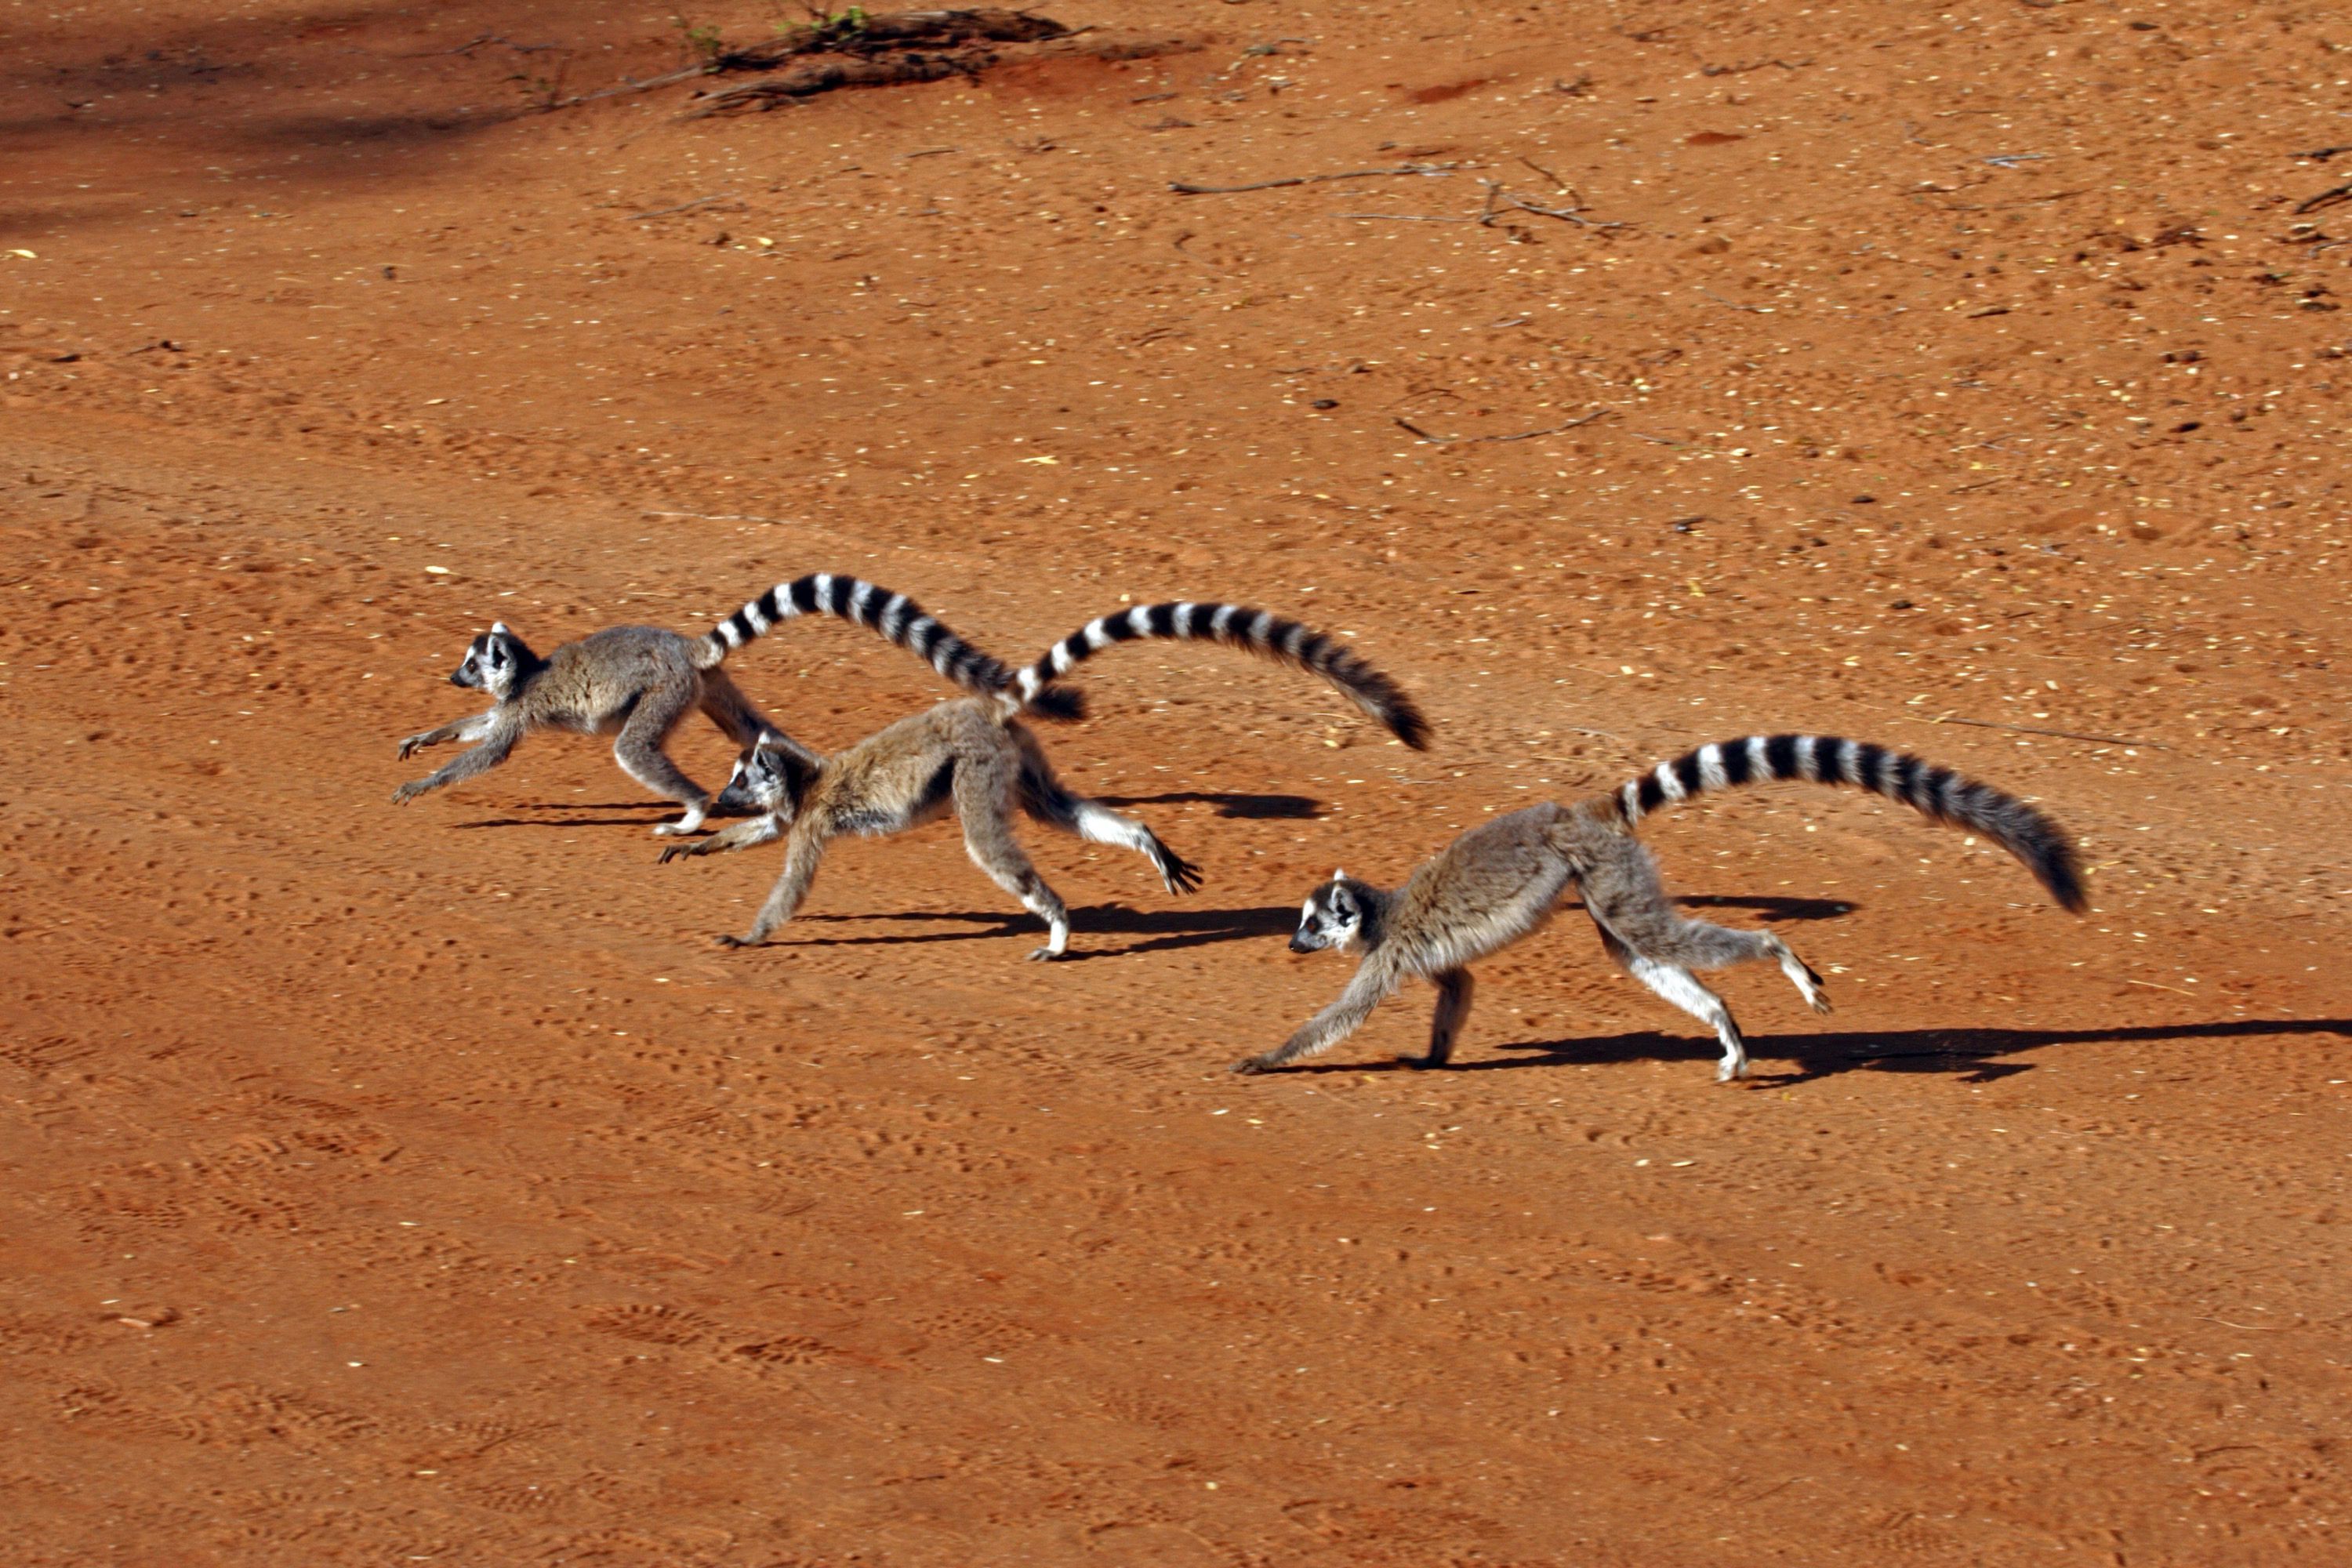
(761,782)
(1330,918)
(490,663)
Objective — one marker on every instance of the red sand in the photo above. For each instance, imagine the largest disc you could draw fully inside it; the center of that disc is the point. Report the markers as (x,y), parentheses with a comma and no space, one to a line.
(417,1185)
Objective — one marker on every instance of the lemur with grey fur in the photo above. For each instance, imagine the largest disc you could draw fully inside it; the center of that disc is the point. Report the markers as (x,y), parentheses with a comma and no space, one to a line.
(975,756)
(638,683)
(1500,882)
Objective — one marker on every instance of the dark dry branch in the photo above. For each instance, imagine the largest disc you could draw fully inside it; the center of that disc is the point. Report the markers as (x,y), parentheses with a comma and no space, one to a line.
(1498,199)
(808,79)
(2321,154)
(1555,179)
(1521,436)
(1184,188)
(2327,198)
(2030,730)
(871,35)
(893,65)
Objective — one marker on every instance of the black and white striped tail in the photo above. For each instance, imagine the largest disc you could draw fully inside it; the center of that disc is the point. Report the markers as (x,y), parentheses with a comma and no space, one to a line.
(854,599)
(1934,792)
(1255,631)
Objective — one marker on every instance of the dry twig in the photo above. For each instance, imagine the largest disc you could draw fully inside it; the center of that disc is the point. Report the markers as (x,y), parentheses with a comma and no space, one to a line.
(1522,436)
(2327,198)
(1184,189)
(2030,730)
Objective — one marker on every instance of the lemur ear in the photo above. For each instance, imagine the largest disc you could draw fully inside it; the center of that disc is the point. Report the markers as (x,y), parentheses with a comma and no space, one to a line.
(499,629)
(1339,875)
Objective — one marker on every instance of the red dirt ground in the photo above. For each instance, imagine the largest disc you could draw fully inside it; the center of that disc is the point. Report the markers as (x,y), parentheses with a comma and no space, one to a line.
(392,1187)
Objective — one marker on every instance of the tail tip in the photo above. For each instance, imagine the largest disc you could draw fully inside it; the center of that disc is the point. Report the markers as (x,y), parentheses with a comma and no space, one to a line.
(2061,870)
(1064,704)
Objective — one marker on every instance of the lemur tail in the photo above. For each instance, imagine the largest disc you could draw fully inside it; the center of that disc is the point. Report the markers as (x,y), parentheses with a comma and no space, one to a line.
(1236,626)
(1935,793)
(895,616)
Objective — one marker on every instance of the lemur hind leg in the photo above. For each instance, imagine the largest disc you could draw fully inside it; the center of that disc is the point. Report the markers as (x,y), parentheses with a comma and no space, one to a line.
(1681,987)
(1454,988)
(982,790)
(1621,889)
(1045,798)
(724,704)
(638,750)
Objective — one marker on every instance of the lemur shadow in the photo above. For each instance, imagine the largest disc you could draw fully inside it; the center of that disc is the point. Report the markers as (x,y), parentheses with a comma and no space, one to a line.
(649,811)
(1971,1054)
(1182,927)
(1769,907)
(1254,806)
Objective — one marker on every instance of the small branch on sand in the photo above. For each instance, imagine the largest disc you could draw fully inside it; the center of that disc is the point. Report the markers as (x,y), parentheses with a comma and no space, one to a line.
(2030,730)
(2327,198)
(1522,436)
(1498,199)
(1184,188)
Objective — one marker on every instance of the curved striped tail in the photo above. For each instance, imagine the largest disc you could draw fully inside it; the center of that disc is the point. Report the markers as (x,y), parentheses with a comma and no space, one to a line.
(1236,626)
(895,616)
(1935,793)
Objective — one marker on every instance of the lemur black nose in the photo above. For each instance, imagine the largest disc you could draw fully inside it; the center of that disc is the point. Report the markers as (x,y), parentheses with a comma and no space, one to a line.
(1298,942)
(458,677)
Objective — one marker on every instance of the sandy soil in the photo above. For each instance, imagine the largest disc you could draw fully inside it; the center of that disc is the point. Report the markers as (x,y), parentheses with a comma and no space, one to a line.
(386,1185)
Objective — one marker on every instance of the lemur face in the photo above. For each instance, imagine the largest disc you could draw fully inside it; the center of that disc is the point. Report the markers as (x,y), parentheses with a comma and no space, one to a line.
(1330,918)
(492,661)
(769,778)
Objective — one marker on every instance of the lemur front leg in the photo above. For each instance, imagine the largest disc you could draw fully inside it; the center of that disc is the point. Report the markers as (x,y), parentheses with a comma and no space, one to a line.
(1372,983)
(803,853)
(499,740)
(1454,988)
(744,835)
(472,727)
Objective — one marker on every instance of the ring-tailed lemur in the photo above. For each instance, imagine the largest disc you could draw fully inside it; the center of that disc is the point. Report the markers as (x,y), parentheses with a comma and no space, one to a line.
(977,758)
(1499,881)
(638,682)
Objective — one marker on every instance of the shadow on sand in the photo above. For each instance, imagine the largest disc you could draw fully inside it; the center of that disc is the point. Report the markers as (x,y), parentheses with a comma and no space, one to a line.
(1977,1055)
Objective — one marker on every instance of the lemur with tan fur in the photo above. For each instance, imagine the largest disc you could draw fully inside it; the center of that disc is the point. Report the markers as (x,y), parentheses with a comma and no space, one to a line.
(975,757)
(1500,882)
(638,683)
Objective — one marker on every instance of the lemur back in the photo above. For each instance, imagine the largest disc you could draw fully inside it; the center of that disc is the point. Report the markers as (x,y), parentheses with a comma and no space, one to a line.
(1500,882)
(638,682)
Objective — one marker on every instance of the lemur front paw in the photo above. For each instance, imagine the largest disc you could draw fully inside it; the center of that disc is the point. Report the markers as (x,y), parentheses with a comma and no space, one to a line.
(411,745)
(1249,1066)
(1821,1001)
(1044,954)
(671,851)
(726,939)
(410,791)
